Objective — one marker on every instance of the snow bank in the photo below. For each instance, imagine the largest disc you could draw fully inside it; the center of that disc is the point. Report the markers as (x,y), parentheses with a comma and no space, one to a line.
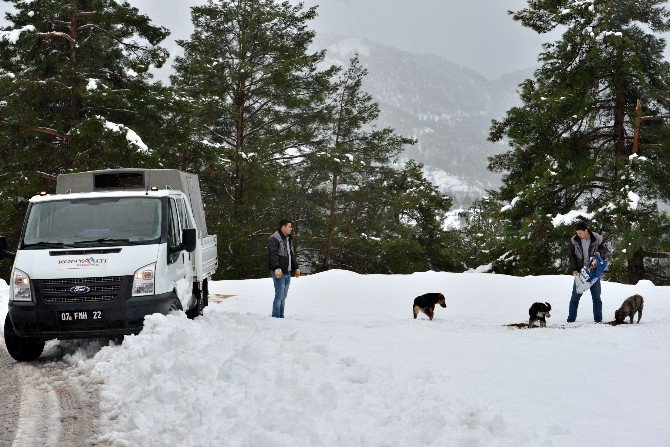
(481,269)
(349,366)
(249,380)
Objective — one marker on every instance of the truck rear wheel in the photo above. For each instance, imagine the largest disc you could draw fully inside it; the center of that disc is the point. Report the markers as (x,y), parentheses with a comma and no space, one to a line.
(22,349)
(205,293)
(196,310)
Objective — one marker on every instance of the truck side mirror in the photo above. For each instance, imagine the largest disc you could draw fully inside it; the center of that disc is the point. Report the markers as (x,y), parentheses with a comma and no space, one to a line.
(189,239)
(3,249)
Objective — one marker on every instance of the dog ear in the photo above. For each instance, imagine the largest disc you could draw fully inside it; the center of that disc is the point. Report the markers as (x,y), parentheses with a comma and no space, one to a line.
(548,305)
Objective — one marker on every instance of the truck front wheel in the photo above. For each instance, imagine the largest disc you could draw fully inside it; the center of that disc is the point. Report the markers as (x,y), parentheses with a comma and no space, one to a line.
(175,304)
(22,349)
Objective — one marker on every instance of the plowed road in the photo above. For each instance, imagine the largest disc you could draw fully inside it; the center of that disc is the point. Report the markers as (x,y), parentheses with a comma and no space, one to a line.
(46,403)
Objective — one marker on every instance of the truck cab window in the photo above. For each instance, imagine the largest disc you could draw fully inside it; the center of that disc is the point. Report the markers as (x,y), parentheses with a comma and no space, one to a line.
(89,221)
(174,229)
(183,214)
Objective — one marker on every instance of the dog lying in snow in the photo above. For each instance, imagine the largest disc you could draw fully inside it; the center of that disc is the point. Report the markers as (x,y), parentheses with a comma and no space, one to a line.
(539,311)
(426,304)
(632,304)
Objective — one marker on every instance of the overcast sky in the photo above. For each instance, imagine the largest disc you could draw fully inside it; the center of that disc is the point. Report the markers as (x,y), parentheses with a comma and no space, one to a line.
(477,34)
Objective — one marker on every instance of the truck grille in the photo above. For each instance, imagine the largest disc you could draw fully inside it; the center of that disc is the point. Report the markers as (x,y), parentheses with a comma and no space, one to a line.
(100,289)
(79,299)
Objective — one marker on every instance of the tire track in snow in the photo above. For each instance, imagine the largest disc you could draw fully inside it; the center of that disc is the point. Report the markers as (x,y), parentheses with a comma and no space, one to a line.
(52,406)
(39,412)
(10,397)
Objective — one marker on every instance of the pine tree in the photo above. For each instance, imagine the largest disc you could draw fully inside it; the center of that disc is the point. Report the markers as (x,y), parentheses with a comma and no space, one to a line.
(571,139)
(74,94)
(393,223)
(354,150)
(483,227)
(257,96)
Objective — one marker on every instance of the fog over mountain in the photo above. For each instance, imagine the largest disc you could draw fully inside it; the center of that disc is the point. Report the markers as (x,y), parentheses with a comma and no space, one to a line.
(448,108)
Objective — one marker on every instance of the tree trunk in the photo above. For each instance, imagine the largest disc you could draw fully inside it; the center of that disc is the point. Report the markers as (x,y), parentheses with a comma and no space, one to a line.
(354,213)
(620,151)
(239,145)
(331,224)
(635,267)
(75,99)
(333,193)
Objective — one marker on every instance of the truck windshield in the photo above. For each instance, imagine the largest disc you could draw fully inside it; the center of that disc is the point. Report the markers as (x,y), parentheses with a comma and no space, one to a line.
(91,222)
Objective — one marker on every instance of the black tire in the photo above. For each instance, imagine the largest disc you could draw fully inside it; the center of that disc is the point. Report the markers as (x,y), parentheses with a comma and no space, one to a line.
(205,293)
(175,305)
(22,349)
(196,310)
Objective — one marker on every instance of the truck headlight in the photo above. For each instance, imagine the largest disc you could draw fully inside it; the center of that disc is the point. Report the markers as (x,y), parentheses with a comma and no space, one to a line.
(144,280)
(20,286)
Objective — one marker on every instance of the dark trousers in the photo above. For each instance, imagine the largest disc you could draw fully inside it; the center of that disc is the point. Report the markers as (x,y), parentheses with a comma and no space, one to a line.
(597,303)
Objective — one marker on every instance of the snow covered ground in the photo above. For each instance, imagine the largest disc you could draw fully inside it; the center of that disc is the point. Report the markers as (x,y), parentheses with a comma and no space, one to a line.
(349,366)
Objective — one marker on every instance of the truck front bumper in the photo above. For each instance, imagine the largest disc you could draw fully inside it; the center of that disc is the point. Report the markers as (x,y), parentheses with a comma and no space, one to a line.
(124,315)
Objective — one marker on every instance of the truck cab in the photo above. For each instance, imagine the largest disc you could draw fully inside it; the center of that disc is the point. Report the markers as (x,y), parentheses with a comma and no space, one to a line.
(109,248)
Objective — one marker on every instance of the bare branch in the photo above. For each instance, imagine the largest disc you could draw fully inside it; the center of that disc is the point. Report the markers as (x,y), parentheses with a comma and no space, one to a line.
(656,255)
(52,132)
(59,35)
(47,176)
(225,139)
(107,109)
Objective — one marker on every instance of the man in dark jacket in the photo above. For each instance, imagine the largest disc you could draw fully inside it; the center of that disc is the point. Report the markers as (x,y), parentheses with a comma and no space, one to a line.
(584,245)
(283,263)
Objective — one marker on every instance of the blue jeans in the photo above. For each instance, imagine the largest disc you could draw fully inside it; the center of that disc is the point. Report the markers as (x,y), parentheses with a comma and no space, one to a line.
(281,290)
(597,303)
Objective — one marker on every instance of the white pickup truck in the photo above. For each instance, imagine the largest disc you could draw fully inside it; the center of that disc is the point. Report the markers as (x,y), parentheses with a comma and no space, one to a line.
(109,248)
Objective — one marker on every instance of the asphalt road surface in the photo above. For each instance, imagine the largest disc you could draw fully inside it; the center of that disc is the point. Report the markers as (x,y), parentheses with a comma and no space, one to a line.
(46,403)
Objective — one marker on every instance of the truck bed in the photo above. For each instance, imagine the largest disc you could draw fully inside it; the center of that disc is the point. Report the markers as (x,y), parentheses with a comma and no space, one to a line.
(206,258)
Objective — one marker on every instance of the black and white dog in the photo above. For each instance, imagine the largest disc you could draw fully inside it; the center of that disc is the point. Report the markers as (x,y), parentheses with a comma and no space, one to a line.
(539,311)
(426,304)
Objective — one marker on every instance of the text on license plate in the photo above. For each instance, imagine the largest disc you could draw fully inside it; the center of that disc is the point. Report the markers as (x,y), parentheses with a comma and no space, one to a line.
(81,316)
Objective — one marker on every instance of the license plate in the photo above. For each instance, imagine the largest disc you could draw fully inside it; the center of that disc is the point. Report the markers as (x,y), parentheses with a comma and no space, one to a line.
(84,315)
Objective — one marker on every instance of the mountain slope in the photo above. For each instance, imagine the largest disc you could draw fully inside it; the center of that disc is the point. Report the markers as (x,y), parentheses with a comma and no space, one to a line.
(448,108)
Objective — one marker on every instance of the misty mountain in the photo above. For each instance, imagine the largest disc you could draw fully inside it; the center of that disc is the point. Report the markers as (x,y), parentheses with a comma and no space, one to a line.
(448,108)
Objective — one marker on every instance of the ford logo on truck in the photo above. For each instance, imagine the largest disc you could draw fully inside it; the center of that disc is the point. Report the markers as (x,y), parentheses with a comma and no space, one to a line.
(80,289)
